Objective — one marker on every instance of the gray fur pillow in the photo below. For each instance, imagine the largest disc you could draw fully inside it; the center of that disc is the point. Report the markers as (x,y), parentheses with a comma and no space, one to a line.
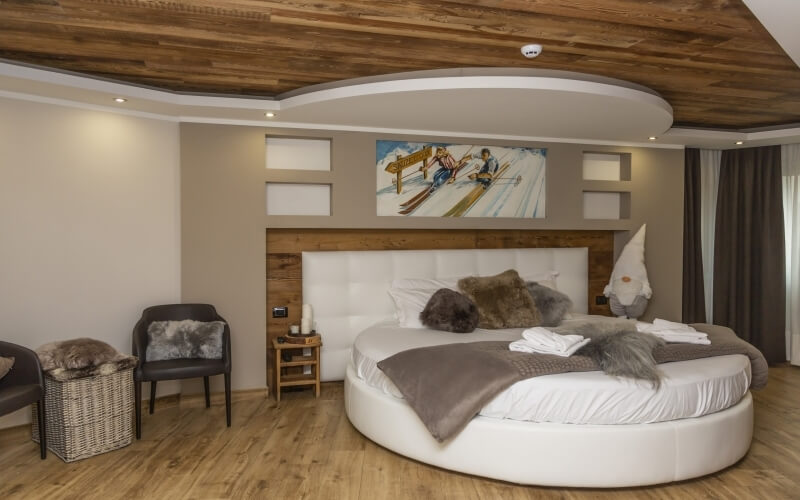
(5,366)
(502,300)
(450,311)
(186,339)
(552,304)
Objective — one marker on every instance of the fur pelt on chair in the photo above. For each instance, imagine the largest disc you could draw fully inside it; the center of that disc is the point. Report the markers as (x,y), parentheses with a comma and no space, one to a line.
(618,348)
(82,357)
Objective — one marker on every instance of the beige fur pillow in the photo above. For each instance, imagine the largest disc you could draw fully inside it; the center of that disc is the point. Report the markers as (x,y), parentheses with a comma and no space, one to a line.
(5,365)
(503,301)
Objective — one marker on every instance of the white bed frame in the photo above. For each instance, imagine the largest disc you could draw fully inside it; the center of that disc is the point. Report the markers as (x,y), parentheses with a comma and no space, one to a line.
(348,291)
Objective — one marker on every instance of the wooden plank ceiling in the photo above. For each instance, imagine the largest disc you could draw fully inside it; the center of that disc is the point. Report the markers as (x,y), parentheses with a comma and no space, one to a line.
(711,59)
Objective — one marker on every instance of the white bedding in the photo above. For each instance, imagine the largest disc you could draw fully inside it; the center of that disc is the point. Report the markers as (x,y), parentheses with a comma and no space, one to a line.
(689,389)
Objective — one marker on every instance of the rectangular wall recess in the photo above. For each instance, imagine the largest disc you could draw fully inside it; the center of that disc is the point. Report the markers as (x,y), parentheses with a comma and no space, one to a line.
(606,167)
(606,205)
(298,199)
(289,153)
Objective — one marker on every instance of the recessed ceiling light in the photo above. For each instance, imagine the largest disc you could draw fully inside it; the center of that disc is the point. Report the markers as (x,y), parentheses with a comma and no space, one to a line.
(739,143)
(652,138)
(269,114)
(120,100)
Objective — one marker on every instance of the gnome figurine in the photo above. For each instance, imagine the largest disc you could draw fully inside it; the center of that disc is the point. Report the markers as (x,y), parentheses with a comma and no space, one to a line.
(629,290)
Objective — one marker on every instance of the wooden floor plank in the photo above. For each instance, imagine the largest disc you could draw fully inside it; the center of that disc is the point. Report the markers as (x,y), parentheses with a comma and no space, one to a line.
(304,447)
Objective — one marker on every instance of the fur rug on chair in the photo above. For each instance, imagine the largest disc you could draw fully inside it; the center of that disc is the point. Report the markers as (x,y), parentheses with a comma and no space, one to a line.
(83,357)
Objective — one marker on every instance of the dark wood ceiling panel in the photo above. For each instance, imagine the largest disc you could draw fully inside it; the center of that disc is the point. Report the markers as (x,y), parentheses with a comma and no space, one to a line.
(711,59)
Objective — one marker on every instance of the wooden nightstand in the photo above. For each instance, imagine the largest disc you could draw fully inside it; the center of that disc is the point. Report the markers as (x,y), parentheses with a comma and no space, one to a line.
(295,379)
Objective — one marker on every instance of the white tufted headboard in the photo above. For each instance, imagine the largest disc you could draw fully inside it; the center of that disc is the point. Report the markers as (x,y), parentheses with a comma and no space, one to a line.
(349,290)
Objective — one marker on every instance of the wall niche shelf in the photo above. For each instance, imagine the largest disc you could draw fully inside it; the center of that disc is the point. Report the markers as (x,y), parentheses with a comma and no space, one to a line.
(606,166)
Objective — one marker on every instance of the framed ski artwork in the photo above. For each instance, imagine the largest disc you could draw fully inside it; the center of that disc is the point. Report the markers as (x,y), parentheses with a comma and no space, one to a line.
(431,179)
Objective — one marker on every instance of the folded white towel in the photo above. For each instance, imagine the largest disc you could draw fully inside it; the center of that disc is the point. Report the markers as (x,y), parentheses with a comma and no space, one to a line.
(543,341)
(673,332)
(683,339)
(663,324)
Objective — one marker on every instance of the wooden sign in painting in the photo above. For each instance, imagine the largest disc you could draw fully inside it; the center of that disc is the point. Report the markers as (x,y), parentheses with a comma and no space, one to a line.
(459,180)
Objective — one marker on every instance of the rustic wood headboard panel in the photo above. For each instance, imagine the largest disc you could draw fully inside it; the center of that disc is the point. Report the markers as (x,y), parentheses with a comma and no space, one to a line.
(284,268)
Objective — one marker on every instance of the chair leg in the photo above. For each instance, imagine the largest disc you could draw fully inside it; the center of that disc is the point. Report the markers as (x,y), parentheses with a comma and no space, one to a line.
(208,393)
(137,386)
(152,396)
(40,412)
(228,398)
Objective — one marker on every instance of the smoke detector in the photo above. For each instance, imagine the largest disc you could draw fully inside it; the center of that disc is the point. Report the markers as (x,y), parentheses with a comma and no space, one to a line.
(531,50)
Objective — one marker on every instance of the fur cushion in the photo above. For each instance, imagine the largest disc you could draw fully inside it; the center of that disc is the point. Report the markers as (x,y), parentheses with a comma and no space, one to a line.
(83,357)
(502,300)
(5,366)
(552,304)
(450,311)
(186,339)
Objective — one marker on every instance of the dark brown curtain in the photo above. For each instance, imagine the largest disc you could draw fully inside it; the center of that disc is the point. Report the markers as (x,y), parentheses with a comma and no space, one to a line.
(749,261)
(694,307)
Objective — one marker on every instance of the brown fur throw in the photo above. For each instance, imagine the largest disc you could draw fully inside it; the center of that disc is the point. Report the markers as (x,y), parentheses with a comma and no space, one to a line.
(5,366)
(502,300)
(450,311)
(83,357)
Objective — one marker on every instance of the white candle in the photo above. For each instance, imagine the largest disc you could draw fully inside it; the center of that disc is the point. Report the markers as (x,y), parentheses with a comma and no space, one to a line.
(305,325)
(308,312)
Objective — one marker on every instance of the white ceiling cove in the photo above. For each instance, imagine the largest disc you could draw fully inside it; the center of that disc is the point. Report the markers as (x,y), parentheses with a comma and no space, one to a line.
(498,103)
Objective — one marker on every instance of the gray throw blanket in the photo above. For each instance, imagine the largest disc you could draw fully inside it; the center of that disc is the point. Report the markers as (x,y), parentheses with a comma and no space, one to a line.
(447,385)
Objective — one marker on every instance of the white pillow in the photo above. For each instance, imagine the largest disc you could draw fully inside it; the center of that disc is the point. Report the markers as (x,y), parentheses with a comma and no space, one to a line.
(409,303)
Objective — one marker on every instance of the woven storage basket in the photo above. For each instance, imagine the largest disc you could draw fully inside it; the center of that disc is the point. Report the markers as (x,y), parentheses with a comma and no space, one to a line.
(87,416)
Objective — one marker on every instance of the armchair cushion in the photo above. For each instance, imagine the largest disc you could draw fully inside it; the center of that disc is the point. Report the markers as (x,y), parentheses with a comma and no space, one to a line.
(185,339)
(5,366)
(19,396)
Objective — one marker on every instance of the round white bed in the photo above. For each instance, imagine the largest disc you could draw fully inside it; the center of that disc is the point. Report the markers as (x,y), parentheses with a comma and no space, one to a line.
(555,430)
(572,429)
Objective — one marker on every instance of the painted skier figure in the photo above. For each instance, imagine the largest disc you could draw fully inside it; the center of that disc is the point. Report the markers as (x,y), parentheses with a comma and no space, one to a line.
(490,166)
(447,170)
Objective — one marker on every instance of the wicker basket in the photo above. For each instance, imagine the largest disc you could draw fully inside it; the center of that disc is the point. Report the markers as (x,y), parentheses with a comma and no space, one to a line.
(87,416)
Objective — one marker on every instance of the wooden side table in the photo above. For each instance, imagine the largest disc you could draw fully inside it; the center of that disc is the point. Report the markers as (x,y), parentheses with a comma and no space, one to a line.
(295,379)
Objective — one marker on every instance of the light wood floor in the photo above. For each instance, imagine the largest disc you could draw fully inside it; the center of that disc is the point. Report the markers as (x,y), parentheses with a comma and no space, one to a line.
(306,448)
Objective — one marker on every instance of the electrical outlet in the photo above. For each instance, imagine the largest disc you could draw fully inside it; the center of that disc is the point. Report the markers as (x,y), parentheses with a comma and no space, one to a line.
(280,312)
(601,300)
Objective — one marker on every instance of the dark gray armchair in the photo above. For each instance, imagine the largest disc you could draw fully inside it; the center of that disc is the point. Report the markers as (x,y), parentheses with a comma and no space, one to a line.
(172,369)
(23,385)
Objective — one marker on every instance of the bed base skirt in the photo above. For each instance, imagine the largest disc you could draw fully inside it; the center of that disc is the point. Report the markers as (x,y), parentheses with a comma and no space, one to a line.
(598,456)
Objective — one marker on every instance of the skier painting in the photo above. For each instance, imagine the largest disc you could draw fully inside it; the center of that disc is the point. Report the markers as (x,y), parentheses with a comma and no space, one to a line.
(435,179)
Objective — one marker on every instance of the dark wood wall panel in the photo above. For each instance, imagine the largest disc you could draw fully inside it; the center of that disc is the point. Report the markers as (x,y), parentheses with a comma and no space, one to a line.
(712,60)
(284,265)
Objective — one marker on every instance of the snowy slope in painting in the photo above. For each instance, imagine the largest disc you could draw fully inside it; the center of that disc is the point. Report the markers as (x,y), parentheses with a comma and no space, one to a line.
(519,192)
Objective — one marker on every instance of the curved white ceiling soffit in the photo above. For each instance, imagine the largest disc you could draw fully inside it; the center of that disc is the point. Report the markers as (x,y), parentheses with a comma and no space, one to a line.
(541,106)
(495,103)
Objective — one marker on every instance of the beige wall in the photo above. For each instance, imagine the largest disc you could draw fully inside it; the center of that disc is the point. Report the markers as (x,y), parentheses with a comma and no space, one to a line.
(223,216)
(222,234)
(89,224)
